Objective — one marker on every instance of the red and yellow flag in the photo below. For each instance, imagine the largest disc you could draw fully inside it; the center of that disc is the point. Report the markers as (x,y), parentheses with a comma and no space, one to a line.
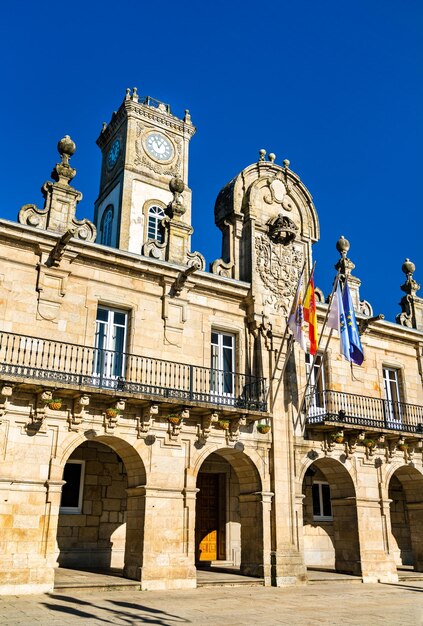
(310,316)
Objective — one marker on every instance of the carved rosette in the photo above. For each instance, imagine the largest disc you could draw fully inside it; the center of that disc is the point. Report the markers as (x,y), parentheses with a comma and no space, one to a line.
(279,269)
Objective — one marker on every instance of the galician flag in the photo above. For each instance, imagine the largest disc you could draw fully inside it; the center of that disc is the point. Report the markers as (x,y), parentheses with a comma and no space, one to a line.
(296,317)
(310,316)
(336,320)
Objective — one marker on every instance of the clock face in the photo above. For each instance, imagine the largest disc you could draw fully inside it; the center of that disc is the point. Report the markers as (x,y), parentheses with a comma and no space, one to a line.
(159,147)
(113,154)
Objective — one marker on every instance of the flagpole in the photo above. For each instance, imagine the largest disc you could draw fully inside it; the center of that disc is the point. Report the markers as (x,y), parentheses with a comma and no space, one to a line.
(335,285)
(284,337)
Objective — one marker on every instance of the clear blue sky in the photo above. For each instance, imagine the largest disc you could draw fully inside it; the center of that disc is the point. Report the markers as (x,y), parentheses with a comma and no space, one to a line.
(334,86)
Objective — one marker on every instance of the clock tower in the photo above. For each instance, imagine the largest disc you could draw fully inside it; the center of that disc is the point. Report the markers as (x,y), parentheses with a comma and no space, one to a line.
(144,204)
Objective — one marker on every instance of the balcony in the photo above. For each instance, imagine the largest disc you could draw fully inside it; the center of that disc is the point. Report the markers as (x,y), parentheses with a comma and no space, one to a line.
(28,359)
(329,407)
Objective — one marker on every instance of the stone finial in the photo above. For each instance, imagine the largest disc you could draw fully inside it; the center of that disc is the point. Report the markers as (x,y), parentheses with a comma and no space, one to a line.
(128,93)
(262,154)
(187,117)
(63,172)
(60,200)
(272,157)
(410,303)
(286,163)
(176,207)
(134,94)
(344,266)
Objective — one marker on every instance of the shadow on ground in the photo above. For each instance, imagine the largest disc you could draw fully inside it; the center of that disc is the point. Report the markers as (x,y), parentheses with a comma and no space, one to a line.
(126,612)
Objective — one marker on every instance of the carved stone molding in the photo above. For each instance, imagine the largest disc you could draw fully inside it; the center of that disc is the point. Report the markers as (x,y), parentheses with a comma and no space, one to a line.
(77,416)
(146,421)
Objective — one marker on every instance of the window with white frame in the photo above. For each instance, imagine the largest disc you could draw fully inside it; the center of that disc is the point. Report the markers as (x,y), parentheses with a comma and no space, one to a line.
(393,411)
(316,372)
(222,363)
(110,342)
(73,489)
(106,226)
(322,506)
(155,229)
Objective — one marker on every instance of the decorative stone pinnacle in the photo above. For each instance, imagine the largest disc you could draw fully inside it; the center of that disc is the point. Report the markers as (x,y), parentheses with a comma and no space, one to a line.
(187,117)
(63,172)
(128,93)
(344,266)
(408,315)
(176,207)
(262,154)
(66,148)
(134,94)
(286,163)
(272,157)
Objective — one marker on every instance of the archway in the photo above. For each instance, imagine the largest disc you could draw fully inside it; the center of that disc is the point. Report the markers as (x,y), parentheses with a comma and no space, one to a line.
(406,512)
(330,528)
(229,513)
(100,523)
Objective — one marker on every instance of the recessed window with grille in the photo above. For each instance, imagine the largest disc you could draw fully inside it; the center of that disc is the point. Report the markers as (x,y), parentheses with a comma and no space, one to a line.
(110,343)
(322,507)
(317,384)
(73,489)
(106,226)
(155,229)
(222,363)
(393,411)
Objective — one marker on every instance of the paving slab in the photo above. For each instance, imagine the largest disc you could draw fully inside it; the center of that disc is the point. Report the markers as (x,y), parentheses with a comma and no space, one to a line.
(325,604)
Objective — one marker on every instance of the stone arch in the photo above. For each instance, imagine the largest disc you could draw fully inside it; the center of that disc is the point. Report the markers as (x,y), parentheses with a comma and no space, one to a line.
(330,525)
(405,493)
(134,464)
(107,530)
(251,461)
(229,510)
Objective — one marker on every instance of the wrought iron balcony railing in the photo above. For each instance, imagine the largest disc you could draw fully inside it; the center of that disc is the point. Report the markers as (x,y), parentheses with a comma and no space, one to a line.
(46,360)
(348,408)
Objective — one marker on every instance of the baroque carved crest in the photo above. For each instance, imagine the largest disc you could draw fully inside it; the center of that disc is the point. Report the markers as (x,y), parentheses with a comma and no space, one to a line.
(279,268)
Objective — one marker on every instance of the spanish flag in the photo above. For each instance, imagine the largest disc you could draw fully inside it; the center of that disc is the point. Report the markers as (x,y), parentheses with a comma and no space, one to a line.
(310,316)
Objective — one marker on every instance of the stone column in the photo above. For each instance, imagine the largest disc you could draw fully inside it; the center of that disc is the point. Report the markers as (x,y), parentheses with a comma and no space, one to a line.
(287,561)
(28,522)
(377,563)
(134,543)
(255,509)
(166,563)
(415,521)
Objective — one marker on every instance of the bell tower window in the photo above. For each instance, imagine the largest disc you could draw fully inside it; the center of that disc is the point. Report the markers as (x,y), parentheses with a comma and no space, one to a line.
(155,229)
(106,226)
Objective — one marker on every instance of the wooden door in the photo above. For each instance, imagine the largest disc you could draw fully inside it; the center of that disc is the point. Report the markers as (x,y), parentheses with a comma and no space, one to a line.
(209,530)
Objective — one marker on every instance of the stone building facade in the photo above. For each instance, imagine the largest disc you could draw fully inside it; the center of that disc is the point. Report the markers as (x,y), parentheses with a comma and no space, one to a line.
(152,412)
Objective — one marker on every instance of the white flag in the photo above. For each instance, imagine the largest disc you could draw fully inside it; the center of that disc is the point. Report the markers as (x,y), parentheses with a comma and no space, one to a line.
(296,318)
(334,311)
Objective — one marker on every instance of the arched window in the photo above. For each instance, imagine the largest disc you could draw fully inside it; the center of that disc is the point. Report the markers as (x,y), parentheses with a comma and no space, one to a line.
(155,230)
(106,226)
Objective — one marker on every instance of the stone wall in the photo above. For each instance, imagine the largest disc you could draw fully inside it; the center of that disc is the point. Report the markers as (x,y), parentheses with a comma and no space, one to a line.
(95,538)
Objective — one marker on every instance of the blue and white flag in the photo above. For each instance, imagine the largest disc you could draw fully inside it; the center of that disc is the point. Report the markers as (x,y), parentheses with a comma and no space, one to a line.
(337,321)
(350,337)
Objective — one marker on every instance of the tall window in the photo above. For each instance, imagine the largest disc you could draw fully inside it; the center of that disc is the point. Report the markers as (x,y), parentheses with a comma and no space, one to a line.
(110,343)
(317,384)
(322,507)
(222,363)
(392,397)
(155,229)
(72,490)
(106,226)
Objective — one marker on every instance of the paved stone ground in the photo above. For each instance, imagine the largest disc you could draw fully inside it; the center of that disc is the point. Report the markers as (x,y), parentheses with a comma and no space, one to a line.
(319,604)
